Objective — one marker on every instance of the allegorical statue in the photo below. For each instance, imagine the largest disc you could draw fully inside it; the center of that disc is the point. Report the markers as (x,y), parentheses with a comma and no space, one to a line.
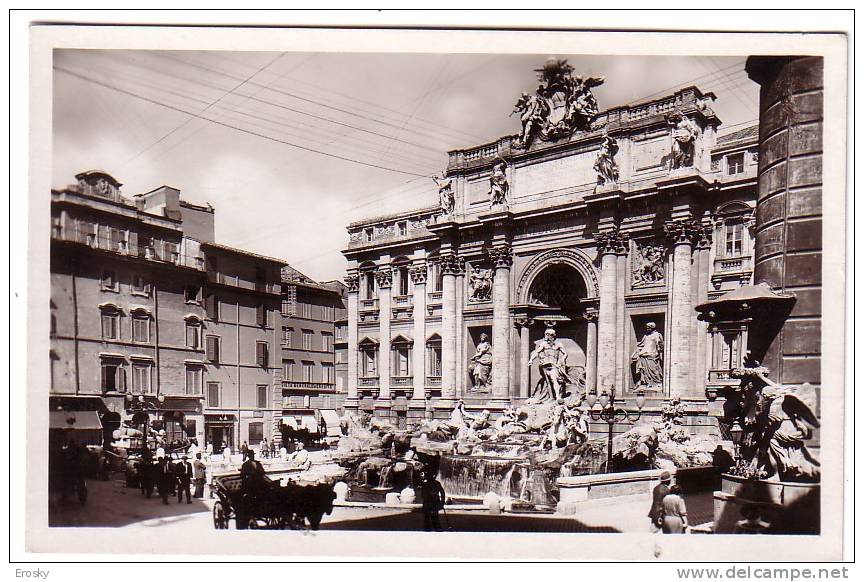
(684,135)
(532,112)
(777,421)
(480,285)
(648,359)
(499,188)
(446,200)
(481,364)
(605,166)
(552,361)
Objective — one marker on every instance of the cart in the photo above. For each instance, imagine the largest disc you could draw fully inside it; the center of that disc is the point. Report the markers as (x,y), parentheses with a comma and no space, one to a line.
(269,509)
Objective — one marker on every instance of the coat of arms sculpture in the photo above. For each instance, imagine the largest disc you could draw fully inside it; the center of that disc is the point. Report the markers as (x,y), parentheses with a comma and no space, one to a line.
(561,105)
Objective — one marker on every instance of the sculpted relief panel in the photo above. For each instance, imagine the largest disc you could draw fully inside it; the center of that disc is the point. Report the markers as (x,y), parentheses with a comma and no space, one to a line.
(650,154)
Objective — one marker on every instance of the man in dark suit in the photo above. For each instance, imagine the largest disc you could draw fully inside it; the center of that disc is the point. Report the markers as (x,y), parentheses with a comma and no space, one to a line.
(660,491)
(200,476)
(184,478)
(165,482)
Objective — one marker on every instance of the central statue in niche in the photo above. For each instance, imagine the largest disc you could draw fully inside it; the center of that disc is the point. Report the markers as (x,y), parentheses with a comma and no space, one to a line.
(481,365)
(552,361)
(648,359)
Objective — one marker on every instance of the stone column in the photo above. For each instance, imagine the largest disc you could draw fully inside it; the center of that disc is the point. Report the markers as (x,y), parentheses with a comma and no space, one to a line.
(352,281)
(459,373)
(502,258)
(701,261)
(622,369)
(418,275)
(384,278)
(524,325)
(449,268)
(682,234)
(608,245)
(591,351)
(788,252)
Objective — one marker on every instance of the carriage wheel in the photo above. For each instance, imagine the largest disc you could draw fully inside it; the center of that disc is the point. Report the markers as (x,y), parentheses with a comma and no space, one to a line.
(82,493)
(220,517)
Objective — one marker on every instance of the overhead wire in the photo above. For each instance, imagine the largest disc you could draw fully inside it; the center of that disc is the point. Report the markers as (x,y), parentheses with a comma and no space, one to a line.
(180,110)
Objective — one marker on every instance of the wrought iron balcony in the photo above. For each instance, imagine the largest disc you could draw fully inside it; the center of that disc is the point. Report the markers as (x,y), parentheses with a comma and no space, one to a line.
(307,386)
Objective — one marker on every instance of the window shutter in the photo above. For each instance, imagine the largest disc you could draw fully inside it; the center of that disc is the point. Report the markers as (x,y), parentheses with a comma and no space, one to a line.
(262,354)
(262,315)
(212,307)
(213,348)
(121,379)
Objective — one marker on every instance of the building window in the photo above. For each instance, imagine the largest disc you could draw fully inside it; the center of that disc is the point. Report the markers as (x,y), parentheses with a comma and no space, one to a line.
(288,369)
(113,376)
(369,361)
(307,339)
(142,374)
(433,356)
(370,234)
(194,375)
(328,313)
(403,228)
(401,360)
(140,286)
(117,239)
(262,354)
(339,357)
(110,324)
(141,329)
(435,277)
(109,281)
(211,306)
(192,294)
(403,279)
(193,335)
(733,239)
(256,433)
(304,309)
(212,351)
(327,341)
(327,373)
(261,315)
(308,371)
(735,164)
(368,285)
(262,390)
(727,350)
(214,393)
(341,332)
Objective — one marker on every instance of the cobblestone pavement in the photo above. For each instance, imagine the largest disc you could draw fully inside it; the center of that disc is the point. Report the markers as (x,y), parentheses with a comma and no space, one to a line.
(111,504)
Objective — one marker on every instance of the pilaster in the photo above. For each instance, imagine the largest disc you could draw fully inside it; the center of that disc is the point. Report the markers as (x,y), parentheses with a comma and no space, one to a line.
(384,278)
(682,234)
(449,268)
(610,244)
(352,281)
(419,273)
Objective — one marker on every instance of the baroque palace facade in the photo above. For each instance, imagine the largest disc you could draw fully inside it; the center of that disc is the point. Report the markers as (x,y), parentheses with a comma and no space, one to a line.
(594,224)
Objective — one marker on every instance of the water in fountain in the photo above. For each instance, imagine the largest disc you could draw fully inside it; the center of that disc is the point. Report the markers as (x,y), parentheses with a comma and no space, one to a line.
(473,477)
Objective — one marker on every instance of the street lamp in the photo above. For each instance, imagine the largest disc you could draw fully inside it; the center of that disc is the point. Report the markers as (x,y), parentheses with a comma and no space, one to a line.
(611,415)
(142,409)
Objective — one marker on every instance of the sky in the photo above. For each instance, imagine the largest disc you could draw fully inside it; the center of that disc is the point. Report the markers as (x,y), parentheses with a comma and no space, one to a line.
(291,147)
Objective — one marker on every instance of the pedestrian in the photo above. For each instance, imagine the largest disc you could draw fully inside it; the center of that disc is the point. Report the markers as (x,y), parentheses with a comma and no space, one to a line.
(433,501)
(674,512)
(184,478)
(209,450)
(300,457)
(244,448)
(660,491)
(200,474)
(165,483)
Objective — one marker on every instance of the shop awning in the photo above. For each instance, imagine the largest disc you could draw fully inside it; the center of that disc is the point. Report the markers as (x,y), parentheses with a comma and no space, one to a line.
(309,423)
(332,421)
(82,420)
(289,422)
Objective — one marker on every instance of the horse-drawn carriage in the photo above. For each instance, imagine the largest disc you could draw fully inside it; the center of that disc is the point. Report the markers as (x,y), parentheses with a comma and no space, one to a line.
(269,505)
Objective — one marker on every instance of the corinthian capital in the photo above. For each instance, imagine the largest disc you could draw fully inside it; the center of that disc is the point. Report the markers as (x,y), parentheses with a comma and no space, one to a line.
(352,281)
(612,242)
(449,264)
(501,256)
(418,273)
(684,232)
(384,277)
